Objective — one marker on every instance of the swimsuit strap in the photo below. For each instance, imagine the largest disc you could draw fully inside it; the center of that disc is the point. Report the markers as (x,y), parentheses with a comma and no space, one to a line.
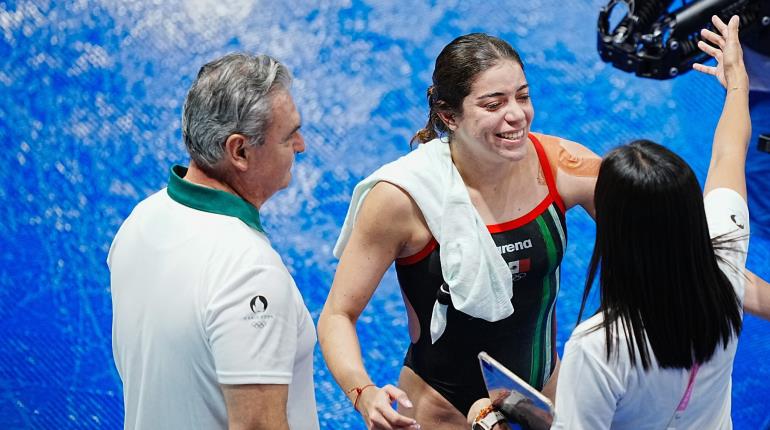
(548,171)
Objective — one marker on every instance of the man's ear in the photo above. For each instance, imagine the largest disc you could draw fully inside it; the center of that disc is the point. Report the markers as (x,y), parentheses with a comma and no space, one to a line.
(235,151)
(448,119)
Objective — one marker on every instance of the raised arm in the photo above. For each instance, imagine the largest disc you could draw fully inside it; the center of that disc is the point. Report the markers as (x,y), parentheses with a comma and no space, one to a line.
(380,233)
(731,138)
(728,156)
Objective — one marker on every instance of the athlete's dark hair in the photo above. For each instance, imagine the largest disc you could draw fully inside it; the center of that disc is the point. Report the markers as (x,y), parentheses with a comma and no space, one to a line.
(457,67)
(658,274)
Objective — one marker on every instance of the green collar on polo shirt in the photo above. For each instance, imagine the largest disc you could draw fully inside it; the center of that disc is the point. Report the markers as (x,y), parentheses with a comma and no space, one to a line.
(210,200)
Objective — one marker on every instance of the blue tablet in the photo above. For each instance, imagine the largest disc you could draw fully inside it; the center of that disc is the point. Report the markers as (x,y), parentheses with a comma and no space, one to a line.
(525,407)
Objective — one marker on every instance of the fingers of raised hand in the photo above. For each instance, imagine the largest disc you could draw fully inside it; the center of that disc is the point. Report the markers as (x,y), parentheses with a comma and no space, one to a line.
(718,24)
(731,30)
(713,37)
(705,69)
(710,50)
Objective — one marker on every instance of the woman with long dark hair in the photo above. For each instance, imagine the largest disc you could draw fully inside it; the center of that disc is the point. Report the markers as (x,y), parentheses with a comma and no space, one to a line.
(670,265)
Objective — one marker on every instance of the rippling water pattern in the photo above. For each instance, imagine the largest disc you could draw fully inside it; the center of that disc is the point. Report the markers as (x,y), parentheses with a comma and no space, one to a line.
(91,96)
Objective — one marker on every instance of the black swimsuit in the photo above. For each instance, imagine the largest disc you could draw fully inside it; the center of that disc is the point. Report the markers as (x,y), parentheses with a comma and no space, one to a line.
(533,246)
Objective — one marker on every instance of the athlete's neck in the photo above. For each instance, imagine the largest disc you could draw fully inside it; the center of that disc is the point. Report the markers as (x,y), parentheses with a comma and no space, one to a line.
(489,174)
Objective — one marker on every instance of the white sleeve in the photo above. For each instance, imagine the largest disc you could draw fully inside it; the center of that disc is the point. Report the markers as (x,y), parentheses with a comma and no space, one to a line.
(587,392)
(728,218)
(252,325)
(727,213)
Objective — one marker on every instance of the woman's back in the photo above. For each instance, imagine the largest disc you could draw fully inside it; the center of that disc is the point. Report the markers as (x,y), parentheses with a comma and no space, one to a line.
(628,396)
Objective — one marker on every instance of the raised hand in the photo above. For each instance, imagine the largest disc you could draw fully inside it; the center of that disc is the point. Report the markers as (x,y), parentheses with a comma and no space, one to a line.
(730,71)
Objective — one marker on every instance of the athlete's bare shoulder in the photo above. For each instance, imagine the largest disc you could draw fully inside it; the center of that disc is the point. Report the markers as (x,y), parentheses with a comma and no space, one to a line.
(389,213)
(570,157)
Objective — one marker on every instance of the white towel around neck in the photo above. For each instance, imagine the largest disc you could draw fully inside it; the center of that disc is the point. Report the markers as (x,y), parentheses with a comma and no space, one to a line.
(479,280)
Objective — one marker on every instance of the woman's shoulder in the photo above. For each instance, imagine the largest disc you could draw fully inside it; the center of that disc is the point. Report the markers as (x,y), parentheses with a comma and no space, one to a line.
(390,215)
(388,199)
(727,213)
(575,168)
(557,143)
(568,156)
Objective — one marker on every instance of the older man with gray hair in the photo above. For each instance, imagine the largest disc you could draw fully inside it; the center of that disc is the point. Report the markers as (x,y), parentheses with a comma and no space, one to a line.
(209,329)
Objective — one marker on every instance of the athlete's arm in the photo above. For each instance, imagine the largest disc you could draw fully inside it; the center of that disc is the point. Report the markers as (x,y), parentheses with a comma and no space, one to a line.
(381,231)
(576,175)
(256,407)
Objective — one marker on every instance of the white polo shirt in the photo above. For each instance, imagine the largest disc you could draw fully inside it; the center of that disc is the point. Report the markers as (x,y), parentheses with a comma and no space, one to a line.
(593,393)
(200,299)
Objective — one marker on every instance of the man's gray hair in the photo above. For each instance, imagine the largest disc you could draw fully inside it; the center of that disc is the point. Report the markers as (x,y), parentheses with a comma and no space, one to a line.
(232,94)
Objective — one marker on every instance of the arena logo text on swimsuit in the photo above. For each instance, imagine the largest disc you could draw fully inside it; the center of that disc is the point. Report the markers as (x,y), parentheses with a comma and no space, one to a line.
(516,246)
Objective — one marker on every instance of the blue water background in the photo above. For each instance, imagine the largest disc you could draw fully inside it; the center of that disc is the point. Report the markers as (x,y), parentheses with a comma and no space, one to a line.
(90,101)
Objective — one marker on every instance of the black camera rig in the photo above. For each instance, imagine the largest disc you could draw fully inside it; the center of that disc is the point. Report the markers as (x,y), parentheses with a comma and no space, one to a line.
(656,43)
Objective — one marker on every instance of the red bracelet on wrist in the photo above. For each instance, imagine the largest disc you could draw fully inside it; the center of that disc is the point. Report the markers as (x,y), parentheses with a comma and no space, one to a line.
(358,391)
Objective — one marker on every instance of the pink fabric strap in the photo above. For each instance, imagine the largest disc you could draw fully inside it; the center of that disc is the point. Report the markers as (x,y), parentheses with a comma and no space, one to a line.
(685,399)
(688,393)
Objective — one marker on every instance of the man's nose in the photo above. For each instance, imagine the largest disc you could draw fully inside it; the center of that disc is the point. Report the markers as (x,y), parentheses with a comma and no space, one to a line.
(299,143)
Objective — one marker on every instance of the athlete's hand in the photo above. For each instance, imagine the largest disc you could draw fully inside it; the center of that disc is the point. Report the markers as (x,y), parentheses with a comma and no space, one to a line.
(730,71)
(376,408)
